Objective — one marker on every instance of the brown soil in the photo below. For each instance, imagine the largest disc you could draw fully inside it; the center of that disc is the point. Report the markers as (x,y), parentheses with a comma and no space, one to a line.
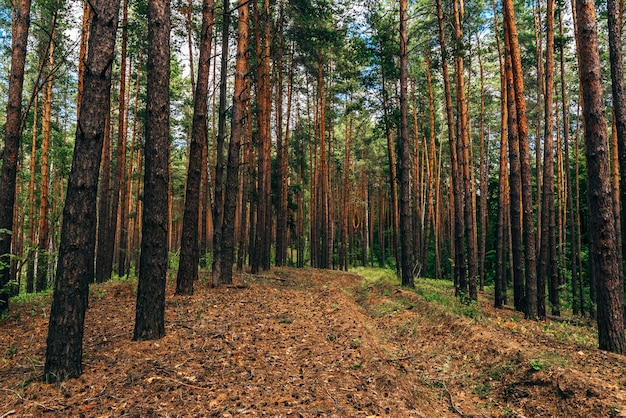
(307,343)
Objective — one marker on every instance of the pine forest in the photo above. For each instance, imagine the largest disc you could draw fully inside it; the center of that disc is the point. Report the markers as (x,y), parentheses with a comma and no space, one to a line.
(389,176)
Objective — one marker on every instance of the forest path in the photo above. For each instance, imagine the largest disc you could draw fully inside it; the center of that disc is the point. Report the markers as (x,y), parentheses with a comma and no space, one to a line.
(305,342)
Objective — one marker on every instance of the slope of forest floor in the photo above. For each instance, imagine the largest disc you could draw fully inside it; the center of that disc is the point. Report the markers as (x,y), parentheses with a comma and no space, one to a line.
(308,343)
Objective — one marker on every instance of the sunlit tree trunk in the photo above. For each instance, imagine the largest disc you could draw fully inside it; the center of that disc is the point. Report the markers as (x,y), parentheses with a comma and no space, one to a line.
(240,99)
(530,261)
(603,250)
(515,187)
(44,196)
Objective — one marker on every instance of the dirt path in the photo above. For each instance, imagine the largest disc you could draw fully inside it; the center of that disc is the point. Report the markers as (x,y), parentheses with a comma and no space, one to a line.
(303,343)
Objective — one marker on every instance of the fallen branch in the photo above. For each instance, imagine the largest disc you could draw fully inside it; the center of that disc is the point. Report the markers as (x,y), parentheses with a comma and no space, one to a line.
(6,414)
(452,404)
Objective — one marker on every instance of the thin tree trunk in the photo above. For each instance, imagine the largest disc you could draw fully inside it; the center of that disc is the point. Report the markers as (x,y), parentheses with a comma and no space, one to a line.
(282,150)
(218,208)
(44,205)
(618,88)
(547,254)
(32,229)
(463,158)
(189,254)
(456,201)
(406,224)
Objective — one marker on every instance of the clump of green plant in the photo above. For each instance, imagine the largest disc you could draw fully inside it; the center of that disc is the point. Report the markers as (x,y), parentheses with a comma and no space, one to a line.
(482,389)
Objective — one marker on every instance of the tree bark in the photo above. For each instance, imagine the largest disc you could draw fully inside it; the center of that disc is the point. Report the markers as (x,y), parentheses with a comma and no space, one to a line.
(602,236)
(13,133)
(618,88)
(218,208)
(150,313)
(406,223)
(189,254)
(238,121)
(78,231)
(547,253)
(456,201)
(530,261)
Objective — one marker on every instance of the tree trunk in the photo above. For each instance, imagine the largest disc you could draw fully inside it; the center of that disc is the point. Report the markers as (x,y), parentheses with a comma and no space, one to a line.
(44,205)
(261,256)
(602,236)
(456,201)
(406,224)
(547,254)
(618,88)
(282,150)
(78,231)
(13,134)
(218,208)
(238,121)
(150,314)
(32,229)
(530,261)
(463,158)
(514,183)
(189,255)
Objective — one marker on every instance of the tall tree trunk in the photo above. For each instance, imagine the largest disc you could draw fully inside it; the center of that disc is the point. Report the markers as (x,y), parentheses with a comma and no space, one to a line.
(547,255)
(456,201)
(240,99)
(261,256)
(122,133)
(32,228)
(78,231)
(541,81)
(13,134)
(218,208)
(602,236)
(406,224)
(282,150)
(503,206)
(393,179)
(530,261)
(568,177)
(44,205)
(515,187)
(125,198)
(150,313)
(484,175)
(618,88)
(189,255)
(463,157)
(104,203)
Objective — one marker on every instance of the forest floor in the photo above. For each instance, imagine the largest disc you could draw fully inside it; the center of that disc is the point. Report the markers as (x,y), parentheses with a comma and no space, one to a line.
(308,343)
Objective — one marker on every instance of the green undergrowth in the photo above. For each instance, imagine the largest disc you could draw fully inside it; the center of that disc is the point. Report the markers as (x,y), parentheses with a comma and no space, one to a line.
(380,290)
(438,293)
